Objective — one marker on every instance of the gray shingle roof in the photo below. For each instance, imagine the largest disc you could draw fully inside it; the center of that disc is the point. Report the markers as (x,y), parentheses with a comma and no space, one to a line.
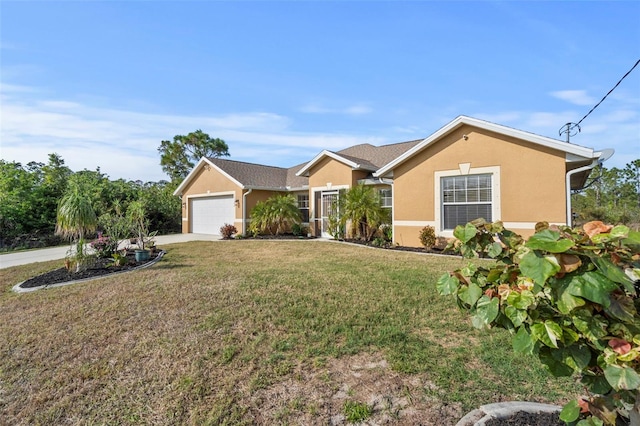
(259,175)
(369,157)
(377,156)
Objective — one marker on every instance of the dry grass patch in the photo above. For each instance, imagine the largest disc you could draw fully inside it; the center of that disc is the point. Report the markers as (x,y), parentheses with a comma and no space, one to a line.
(254,332)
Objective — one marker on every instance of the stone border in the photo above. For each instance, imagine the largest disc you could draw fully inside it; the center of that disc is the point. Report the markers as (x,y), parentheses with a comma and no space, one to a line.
(16,288)
(501,410)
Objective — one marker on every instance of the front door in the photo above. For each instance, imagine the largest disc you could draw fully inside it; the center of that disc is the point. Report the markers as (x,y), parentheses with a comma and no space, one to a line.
(329,200)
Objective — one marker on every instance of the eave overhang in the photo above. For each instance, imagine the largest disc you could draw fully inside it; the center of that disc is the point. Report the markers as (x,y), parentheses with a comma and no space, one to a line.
(575,151)
(324,154)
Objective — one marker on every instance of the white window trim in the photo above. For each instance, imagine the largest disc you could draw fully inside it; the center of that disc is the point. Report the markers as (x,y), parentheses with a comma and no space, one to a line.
(391,197)
(494,171)
(298,201)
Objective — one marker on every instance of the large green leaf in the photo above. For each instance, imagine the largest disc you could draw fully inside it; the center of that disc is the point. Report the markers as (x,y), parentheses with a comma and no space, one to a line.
(619,231)
(621,307)
(570,412)
(565,301)
(556,367)
(495,249)
(465,233)
(594,328)
(521,300)
(633,240)
(575,356)
(595,383)
(592,286)
(622,377)
(590,421)
(547,332)
(447,284)
(614,273)
(486,311)
(522,342)
(494,274)
(550,241)
(538,267)
(470,294)
(516,316)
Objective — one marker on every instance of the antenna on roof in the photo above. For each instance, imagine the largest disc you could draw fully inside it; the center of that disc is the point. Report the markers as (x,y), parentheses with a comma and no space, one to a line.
(570,130)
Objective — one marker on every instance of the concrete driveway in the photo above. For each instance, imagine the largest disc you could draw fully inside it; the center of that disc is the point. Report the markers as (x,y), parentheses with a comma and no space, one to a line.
(55,253)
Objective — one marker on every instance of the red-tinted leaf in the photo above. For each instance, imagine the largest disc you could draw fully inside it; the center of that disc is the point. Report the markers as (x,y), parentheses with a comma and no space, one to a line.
(584,406)
(620,346)
(596,227)
(568,262)
(491,293)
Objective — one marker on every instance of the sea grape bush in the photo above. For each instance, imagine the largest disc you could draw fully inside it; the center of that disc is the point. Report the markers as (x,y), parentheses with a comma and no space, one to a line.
(570,296)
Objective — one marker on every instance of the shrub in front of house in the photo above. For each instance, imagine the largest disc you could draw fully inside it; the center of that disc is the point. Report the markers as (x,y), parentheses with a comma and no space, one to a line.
(569,296)
(298,230)
(428,237)
(104,246)
(228,231)
(275,215)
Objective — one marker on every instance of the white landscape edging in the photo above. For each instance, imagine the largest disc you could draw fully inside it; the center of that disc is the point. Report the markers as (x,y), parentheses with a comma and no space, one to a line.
(16,288)
(502,410)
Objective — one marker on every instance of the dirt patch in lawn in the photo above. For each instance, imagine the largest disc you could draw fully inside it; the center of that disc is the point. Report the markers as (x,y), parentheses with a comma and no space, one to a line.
(317,396)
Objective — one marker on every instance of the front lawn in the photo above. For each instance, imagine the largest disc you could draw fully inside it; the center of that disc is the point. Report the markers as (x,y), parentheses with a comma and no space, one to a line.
(256,332)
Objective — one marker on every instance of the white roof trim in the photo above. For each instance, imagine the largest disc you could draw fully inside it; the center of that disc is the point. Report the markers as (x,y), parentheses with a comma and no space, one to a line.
(323,154)
(568,148)
(204,161)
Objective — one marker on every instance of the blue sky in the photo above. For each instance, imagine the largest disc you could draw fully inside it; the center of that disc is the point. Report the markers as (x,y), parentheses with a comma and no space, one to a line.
(103,82)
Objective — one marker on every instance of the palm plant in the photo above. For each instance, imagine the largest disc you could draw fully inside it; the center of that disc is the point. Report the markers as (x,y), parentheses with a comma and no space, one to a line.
(362,210)
(75,219)
(284,211)
(137,214)
(275,214)
(260,221)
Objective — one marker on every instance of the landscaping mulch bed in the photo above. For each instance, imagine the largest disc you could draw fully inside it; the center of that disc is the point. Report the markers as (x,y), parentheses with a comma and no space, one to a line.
(522,418)
(100,268)
(390,246)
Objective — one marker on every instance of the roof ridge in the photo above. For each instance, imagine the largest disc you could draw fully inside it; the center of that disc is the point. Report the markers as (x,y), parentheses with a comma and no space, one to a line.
(246,162)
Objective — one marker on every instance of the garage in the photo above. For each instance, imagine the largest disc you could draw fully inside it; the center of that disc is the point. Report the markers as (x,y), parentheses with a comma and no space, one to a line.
(209,214)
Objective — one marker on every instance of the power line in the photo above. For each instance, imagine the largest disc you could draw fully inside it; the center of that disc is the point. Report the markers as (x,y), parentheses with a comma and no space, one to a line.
(609,92)
(569,127)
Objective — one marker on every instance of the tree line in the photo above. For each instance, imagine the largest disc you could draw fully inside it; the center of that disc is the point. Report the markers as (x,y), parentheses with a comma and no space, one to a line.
(30,194)
(612,196)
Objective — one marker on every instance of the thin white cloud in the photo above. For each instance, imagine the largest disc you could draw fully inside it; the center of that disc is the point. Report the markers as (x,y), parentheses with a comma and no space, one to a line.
(358,109)
(576,97)
(124,143)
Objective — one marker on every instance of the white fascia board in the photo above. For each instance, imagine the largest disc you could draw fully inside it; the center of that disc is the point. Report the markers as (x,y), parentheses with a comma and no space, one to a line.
(202,163)
(267,188)
(323,154)
(568,148)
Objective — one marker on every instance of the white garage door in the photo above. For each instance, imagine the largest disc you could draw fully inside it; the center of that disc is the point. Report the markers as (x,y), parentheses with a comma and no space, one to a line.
(209,214)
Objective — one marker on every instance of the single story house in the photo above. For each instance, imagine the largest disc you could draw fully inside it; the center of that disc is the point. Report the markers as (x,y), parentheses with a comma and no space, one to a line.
(467,169)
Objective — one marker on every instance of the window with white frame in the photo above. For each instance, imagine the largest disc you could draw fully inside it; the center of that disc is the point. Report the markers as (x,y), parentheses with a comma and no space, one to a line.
(386,198)
(303,206)
(465,198)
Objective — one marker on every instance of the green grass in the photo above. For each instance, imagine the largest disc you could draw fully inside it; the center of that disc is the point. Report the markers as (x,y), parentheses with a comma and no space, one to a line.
(211,333)
(356,411)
